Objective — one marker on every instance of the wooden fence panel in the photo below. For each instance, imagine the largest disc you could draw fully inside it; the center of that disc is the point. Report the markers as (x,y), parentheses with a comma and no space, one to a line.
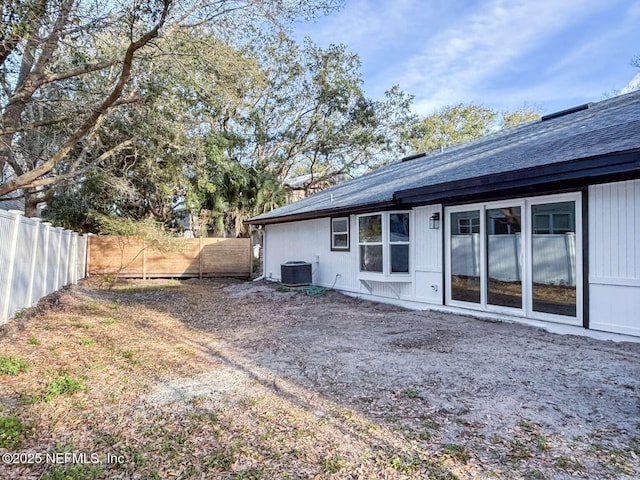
(182,262)
(128,257)
(115,255)
(225,256)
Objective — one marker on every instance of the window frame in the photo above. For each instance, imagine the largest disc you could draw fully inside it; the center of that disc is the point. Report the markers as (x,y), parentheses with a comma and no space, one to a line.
(553,230)
(380,243)
(527,233)
(333,246)
(386,244)
(468,226)
(392,243)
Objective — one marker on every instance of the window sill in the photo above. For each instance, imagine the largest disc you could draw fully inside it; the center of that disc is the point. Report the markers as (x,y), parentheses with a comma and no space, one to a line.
(379,277)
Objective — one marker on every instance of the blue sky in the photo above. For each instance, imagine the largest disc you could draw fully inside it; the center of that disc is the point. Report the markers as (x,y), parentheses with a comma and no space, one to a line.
(547,54)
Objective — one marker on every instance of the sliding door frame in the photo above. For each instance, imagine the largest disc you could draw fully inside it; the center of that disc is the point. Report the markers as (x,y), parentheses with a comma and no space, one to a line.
(525,260)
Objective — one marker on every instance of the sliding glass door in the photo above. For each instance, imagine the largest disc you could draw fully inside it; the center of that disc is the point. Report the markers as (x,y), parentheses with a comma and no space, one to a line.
(553,252)
(504,259)
(465,256)
(520,257)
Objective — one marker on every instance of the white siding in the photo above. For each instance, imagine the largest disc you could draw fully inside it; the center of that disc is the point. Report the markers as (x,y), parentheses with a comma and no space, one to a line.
(428,255)
(614,257)
(304,241)
(310,239)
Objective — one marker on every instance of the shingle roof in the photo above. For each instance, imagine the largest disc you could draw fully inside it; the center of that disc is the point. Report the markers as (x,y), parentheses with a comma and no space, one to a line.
(606,127)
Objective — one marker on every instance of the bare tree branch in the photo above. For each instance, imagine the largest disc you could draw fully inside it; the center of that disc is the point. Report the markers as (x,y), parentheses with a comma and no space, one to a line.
(31,176)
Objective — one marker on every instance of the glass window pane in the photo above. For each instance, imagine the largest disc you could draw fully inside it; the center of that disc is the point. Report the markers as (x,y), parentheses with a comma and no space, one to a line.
(340,240)
(340,225)
(504,278)
(399,258)
(465,256)
(554,259)
(399,227)
(541,223)
(371,258)
(370,229)
(562,223)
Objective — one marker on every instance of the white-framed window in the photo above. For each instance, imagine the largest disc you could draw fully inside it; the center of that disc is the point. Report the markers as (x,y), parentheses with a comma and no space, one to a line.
(384,243)
(467,226)
(553,223)
(399,242)
(525,259)
(340,234)
(370,244)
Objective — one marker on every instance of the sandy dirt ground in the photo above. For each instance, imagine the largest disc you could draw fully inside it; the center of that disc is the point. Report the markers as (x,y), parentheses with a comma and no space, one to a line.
(515,398)
(295,386)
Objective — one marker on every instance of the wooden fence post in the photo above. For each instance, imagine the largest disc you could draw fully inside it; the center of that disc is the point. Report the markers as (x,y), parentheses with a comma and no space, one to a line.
(200,257)
(144,260)
(250,258)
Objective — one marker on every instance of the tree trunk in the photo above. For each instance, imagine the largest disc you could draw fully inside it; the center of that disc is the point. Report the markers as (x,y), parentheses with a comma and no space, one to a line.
(30,204)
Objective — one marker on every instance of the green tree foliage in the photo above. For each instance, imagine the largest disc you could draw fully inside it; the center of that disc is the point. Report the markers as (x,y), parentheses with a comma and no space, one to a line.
(518,117)
(461,123)
(451,125)
(67,65)
(312,118)
(216,130)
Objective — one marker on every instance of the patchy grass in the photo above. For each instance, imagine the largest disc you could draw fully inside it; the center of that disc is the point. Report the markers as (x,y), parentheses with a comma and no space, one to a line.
(62,384)
(411,393)
(332,464)
(13,365)
(11,427)
(73,472)
(138,371)
(456,452)
(118,396)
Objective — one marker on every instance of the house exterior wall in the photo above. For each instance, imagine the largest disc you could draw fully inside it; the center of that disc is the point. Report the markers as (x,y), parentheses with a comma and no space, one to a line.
(312,238)
(614,257)
(313,241)
(428,255)
(613,238)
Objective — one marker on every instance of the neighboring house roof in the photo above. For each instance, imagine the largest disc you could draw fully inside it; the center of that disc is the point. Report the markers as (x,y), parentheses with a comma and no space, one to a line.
(298,182)
(12,201)
(569,149)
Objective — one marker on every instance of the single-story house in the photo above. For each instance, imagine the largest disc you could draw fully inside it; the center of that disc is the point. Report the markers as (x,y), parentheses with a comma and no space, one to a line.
(538,223)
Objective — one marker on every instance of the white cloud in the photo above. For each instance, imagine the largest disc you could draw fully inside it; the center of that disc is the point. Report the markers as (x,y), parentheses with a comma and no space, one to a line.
(496,52)
(455,63)
(633,85)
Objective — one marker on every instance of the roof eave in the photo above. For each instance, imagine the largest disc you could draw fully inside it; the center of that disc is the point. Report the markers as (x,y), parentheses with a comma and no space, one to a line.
(328,212)
(570,174)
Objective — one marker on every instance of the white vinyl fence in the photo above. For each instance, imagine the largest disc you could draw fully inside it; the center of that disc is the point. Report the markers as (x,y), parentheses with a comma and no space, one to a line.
(36,259)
